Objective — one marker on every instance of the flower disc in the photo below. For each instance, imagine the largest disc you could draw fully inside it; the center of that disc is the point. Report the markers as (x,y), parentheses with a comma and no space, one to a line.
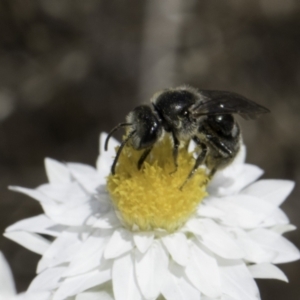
(151,198)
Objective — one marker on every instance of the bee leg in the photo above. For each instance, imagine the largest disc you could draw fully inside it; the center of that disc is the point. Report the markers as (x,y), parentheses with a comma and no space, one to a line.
(143,157)
(218,143)
(212,172)
(199,160)
(175,151)
(113,167)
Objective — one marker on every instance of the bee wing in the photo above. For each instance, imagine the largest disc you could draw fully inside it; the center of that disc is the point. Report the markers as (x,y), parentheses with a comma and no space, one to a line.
(222,102)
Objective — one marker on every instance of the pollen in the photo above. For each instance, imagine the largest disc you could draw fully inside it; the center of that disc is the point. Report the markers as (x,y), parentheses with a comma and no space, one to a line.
(151,198)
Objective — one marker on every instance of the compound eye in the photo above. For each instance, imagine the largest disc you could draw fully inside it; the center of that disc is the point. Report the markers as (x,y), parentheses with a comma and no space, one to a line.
(184,113)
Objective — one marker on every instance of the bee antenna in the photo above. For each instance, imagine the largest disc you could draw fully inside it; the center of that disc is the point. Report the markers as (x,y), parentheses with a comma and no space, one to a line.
(113,167)
(112,131)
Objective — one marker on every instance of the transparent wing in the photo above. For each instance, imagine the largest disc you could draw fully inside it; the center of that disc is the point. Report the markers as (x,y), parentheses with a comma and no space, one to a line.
(222,102)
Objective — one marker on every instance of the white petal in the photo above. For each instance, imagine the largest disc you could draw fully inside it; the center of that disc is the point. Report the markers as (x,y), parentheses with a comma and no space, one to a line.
(143,240)
(218,240)
(177,246)
(253,251)
(61,250)
(125,286)
(273,191)
(276,217)
(86,175)
(223,297)
(108,220)
(104,198)
(202,270)
(284,250)
(105,159)
(208,211)
(283,228)
(45,295)
(219,181)
(101,295)
(193,225)
(88,255)
(120,243)
(177,287)
(74,285)
(151,269)
(37,224)
(237,282)
(20,296)
(56,171)
(214,238)
(7,286)
(243,210)
(266,270)
(47,280)
(73,214)
(192,146)
(233,179)
(249,174)
(31,241)
(37,195)
(226,297)
(64,192)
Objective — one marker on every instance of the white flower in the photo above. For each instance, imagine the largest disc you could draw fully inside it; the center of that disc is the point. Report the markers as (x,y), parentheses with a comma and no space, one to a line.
(234,236)
(7,285)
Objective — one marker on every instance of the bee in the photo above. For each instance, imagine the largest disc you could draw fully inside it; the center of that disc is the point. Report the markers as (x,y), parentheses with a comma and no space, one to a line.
(204,116)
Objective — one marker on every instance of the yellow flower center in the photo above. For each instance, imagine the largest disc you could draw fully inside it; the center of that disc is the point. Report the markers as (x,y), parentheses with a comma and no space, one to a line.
(151,198)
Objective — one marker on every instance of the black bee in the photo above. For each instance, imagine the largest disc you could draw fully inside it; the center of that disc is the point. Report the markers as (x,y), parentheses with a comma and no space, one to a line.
(204,116)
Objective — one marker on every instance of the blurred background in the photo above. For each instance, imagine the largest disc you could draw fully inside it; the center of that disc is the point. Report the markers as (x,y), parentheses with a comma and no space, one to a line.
(70,69)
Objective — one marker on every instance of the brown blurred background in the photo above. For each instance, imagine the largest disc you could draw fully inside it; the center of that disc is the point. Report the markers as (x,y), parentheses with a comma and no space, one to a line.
(70,69)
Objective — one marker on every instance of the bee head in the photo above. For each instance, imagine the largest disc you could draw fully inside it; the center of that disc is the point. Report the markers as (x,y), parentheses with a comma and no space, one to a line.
(172,107)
